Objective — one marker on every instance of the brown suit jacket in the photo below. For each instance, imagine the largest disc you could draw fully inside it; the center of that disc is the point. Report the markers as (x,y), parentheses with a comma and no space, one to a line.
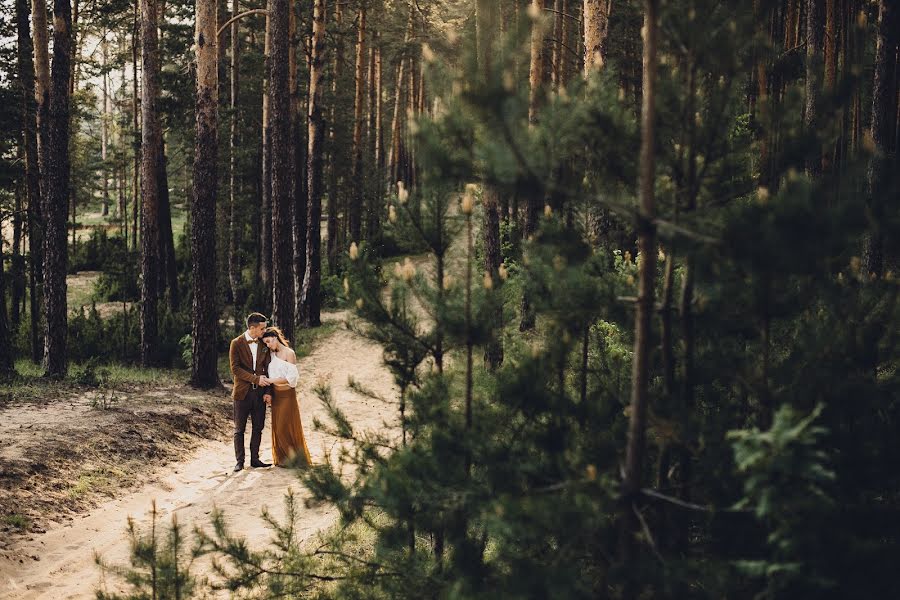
(244,373)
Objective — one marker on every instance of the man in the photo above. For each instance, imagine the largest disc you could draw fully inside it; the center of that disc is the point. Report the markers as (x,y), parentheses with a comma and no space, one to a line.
(249,359)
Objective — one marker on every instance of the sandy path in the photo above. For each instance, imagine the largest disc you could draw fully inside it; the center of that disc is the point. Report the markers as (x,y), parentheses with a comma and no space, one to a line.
(192,488)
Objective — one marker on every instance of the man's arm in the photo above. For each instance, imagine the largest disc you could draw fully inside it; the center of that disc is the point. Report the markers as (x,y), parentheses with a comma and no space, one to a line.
(237,371)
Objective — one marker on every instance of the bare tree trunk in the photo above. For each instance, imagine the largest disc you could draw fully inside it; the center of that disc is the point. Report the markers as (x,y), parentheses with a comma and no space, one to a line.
(282,166)
(884,123)
(356,202)
(137,120)
(596,28)
(57,194)
(333,225)
(104,129)
(375,187)
(535,81)
(204,320)
(151,144)
(234,222)
(486,31)
(312,277)
(7,369)
(168,272)
(17,283)
(265,230)
(300,129)
(813,43)
(640,374)
(25,65)
(395,156)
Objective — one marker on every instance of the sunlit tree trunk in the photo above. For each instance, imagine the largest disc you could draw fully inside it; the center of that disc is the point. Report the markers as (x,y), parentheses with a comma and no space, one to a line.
(596,28)
(299,131)
(356,200)
(312,277)
(266,216)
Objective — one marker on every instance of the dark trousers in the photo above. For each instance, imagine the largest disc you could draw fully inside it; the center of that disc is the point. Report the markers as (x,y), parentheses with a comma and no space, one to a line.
(251,406)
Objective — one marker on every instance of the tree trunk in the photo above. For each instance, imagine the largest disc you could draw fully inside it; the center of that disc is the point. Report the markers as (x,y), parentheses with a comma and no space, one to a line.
(104,129)
(282,166)
(57,192)
(137,120)
(300,128)
(41,81)
(265,230)
(203,208)
(151,149)
(356,202)
(640,374)
(333,225)
(17,281)
(7,369)
(535,82)
(813,43)
(25,65)
(316,135)
(884,122)
(168,272)
(486,31)
(596,28)
(234,219)
(395,157)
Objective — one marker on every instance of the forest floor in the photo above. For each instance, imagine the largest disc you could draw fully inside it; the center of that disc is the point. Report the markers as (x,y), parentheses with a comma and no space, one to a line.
(75,465)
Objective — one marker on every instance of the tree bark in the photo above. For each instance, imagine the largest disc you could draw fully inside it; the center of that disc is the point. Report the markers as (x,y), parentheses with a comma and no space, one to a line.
(883,125)
(42,80)
(151,148)
(640,373)
(300,128)
(203,209)
(25,65)
(104,129)
(265,230)
(813,49)
(168,272)
(333,225)
(396,153)
(356,201)
(137,120)
(596,28)
(57,194)
(282,166)
(234,223)
(7,369)
(316,135)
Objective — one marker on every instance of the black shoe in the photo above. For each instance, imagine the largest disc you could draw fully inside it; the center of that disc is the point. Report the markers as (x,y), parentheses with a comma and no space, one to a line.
(258,464)
(238,467)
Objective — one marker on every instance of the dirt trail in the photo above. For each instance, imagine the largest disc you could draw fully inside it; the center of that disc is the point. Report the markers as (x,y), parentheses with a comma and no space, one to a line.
(191,488)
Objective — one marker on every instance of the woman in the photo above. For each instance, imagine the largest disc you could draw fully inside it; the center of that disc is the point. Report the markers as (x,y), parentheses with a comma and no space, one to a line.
(288,443)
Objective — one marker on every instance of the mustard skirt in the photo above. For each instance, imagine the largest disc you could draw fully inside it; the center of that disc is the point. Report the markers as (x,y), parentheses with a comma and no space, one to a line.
(288,443)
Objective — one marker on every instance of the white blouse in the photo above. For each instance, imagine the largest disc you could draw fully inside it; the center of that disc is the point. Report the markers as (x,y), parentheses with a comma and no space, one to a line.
(279,368)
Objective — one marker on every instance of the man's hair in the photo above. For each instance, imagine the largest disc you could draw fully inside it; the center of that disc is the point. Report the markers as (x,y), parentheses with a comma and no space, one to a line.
(256,319)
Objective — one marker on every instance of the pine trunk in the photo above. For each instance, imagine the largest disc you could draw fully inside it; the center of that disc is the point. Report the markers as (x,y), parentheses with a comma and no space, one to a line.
(356,201)
(282,166)
(266,216)
(333,225)
(151,149)
(168,272)
(25,65)
(813,43)
(883,130)
(7,369)
(596,28)
(41,81)
(640,374)
(301,193)
(104,130)
(137,120)
(203,208)
(57,193)
(316,135)
(235,226)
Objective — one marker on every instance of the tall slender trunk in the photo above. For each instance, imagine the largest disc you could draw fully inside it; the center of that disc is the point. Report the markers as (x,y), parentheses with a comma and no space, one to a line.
(333,225)
(813,43)
(25,65)
(265,230)
(17,280)
(373,105)
(316,135)
(486,32)
(57,193)
(104,129)
(883,129)
(151,143)
(533,200)
(168,271)
(234,220)
(396,152)
(282,165)
(138,137)
(7,370)
(203,208)
(640,374)
(301,179)
(356,201)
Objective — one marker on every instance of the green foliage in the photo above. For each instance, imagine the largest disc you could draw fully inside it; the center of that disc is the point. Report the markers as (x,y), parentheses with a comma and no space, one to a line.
(160,564)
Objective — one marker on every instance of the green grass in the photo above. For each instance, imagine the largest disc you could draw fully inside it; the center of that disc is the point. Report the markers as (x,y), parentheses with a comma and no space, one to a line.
(16,520)
(95,481)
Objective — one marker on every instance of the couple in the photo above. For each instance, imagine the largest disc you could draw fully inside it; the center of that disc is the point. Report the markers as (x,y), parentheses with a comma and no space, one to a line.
(264,369)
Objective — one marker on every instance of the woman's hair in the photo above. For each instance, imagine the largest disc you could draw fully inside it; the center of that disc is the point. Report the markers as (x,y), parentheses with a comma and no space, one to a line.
(276,333)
